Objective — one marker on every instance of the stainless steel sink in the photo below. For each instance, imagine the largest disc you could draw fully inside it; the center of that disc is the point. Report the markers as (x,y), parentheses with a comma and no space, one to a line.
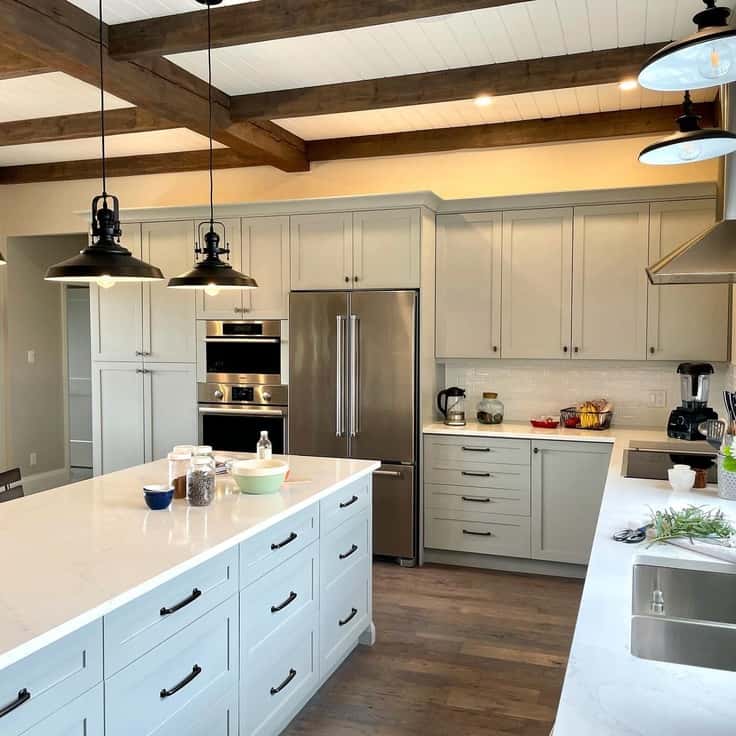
(684,616)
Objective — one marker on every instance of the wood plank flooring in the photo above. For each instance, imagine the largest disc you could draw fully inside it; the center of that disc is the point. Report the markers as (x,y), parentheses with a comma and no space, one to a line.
(460,652)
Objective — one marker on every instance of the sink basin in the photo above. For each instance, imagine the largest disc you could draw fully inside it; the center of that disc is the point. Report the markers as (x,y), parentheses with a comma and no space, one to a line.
(684,616)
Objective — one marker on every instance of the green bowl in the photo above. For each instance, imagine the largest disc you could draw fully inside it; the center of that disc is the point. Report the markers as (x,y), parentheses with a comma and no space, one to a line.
(259,476)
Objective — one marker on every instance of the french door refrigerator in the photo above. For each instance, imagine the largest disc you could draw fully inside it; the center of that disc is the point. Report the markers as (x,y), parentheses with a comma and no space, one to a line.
(353,394)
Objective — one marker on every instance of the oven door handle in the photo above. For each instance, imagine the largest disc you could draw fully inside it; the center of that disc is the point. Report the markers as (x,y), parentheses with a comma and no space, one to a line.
(270,340)
(243,411)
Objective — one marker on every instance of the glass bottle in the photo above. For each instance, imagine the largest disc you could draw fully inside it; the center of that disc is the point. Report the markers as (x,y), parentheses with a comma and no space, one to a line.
(264,449)
(201,480)
(178,467)
(490,409)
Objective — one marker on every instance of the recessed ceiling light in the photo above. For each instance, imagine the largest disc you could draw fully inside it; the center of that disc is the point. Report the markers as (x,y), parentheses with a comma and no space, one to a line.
(483,100)
(628,84)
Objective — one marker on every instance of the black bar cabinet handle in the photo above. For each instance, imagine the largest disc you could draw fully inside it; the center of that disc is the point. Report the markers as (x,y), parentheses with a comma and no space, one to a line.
(477,534)
(23,697)
(473,474)
(286,541)
(292,597)
(353,614)
(476,449)
(196,593)
(289,678)
(476,500)
(345,504)
(196,671)
(344,555)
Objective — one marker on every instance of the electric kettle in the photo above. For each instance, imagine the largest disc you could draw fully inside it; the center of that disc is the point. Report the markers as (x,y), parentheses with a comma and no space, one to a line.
(451,403)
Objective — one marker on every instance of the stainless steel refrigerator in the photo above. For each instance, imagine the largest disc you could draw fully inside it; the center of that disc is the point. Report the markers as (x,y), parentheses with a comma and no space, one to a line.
(353,394)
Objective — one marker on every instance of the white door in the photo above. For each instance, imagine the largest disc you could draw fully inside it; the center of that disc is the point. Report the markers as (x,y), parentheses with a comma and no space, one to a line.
(228,304)
(387,249)
(266,258)
(537,283)
(322,251)
(468,291)
(169,314)
(678,313)
(610,255)
(171,407)
(116,314)
(118,435)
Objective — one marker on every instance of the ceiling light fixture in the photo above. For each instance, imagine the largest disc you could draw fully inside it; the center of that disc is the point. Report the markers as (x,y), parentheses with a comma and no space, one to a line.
(483,100)
(691,143)
(706,58)
(628,84)
(2,260)
(211,274)
(105,261)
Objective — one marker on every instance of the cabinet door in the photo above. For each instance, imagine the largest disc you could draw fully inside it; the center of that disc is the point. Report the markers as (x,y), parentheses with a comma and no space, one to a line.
(116,318)
(228,304)
(82,717)
(387,249)
(468,309)
(171,407)
(322,251)
(168,314)
(117,416)
(537,283)
(568,479)
(266,258)
(677,313)
(610,255)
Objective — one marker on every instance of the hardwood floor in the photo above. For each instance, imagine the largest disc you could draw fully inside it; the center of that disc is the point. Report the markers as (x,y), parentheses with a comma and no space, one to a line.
(460,652)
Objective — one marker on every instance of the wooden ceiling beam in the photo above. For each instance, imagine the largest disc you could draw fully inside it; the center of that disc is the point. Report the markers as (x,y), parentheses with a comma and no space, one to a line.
(596,126)
(253,22)
(64,37)
(13,65)
(515,77)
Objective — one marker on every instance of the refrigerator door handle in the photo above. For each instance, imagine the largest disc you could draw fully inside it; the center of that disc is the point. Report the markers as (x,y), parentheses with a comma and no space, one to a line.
(354,376)
(340,374)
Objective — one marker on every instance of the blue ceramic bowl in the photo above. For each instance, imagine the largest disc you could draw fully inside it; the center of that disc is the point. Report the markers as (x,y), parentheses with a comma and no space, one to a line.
(158,498)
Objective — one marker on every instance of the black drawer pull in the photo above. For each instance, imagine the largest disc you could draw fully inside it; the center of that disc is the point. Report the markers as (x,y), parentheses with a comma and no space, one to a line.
(353,614)
(292,597)
(196,593)
(473,474)
(477,534)
(23,697)
(196,671)
(476,500)
(286,541)
(289,678)
(345,504)
(476,449)
(344,555)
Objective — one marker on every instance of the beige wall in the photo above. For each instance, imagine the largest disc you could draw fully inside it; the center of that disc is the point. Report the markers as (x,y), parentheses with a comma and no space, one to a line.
(35,322)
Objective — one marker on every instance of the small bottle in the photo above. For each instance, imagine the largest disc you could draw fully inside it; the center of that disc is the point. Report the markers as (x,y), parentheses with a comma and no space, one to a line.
(264,450)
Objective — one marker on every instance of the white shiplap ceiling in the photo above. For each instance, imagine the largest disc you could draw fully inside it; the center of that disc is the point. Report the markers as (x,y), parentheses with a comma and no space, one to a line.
(122,11)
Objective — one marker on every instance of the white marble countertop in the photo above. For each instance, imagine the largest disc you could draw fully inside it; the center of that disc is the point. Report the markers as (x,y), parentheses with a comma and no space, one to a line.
(75,553)
(521,430)
(608,691)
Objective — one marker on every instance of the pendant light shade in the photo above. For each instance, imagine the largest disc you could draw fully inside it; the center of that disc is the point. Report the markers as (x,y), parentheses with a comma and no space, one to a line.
(690,143)
(707,58)
(2,260)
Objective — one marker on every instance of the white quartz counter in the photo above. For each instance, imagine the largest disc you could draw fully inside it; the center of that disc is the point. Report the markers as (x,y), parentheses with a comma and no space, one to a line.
(608,691)
(75,553)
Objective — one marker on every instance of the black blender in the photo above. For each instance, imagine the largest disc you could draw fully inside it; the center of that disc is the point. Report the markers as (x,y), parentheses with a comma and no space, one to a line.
(694,386)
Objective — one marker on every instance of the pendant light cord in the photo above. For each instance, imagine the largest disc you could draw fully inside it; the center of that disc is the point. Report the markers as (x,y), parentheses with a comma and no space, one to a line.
(102,110)
(209,107)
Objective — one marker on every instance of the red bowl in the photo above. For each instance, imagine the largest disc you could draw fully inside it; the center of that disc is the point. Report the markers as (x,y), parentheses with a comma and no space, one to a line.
(541,424)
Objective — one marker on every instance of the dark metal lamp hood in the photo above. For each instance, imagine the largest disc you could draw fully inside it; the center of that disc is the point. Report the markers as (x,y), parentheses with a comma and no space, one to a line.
(710,257)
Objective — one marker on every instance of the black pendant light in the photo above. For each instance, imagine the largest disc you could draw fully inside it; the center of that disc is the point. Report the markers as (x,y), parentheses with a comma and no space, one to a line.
(691,142)
(211,273)
(105,261)
(704,59)
(2,260)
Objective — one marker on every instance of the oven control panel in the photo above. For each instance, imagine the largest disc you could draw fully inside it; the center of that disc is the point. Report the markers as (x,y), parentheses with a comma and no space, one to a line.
(251,394)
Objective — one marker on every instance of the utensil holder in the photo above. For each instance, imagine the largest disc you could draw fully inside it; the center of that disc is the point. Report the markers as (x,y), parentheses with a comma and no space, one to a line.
(726,481)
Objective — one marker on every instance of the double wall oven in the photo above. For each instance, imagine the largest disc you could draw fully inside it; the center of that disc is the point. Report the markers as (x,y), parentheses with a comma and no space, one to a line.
(244,393)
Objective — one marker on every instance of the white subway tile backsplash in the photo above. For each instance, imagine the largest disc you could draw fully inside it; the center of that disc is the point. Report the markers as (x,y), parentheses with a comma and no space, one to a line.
(532,387)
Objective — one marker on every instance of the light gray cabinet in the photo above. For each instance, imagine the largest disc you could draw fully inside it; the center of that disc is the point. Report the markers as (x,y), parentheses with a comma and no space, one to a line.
(567,482)
(322,251)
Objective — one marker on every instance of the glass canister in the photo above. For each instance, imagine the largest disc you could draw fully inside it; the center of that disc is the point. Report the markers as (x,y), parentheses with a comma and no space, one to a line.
(201,480)
(203,450)
(490,409)
(178,467)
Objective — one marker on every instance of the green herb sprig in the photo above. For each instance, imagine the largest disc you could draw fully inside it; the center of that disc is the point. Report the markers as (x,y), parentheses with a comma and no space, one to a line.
(729,461)
(692,522)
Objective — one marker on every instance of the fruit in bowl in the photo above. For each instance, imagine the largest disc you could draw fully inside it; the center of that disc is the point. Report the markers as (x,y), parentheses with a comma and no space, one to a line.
(545,422)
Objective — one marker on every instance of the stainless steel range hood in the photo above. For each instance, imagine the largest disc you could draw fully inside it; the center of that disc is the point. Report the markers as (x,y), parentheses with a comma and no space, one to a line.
(710,257)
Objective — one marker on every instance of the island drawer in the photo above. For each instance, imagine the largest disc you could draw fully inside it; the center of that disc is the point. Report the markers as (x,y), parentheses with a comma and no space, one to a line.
(142,624)
(344,504)
(506,477)
(278,678)
(459,452)
(277,544)
(214,712)
(478,500)
(37,686)
(147,693)
(490,535)
(84,716)
(287,595)
(344,548)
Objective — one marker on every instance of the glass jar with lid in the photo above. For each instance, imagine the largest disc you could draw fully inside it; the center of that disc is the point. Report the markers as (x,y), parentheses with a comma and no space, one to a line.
(178,467)
(490,409)
(201,480)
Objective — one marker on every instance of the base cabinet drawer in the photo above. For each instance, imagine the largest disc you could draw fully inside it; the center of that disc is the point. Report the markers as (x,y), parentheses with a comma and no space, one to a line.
(477,500)
(84,716)
(493,535)
(344,504)
(500,477)
(42,683)
(344,549)
(214,712)
(465,451)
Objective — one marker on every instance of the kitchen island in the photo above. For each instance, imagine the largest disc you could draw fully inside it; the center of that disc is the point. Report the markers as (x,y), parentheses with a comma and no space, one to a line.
(210,617)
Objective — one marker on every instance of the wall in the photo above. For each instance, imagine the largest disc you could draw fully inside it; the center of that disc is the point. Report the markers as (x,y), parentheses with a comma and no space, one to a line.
(36,393)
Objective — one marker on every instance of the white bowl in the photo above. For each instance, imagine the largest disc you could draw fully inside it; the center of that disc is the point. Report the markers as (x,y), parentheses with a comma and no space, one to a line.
(681,480)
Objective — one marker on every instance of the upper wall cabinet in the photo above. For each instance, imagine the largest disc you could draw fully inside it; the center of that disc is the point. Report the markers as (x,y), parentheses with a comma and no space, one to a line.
(610,255)
(685,321)
(322,251)
(468,262)
(537,283)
